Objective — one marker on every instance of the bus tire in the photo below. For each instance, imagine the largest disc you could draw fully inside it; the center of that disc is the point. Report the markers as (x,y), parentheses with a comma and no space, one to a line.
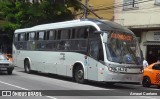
(146,82)
(79,74)
(27,68)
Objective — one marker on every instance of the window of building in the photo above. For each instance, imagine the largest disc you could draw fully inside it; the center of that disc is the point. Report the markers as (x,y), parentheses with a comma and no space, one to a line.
(157,2)
(130,4)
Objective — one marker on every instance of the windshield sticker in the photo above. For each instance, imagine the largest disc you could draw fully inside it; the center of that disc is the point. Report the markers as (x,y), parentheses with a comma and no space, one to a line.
(121,36)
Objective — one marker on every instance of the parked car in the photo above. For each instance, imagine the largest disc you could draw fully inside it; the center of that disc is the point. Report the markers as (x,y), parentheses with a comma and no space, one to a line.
(9,57)
(5,64)
(151,75)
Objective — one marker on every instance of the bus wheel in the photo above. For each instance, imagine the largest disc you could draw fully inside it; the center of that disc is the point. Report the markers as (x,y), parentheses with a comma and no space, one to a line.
(27,67)
(79,74)
(146,82)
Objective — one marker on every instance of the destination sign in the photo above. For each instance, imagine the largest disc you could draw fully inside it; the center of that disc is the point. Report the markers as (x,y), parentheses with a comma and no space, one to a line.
(121,36)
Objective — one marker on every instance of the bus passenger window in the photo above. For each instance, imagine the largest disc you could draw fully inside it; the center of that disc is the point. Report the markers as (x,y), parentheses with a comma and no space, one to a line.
(65,34)
(15,37)
(73,34)
(82,33)
(31,36)
(92,34)
(52,35)
(94,49)
(26,36)
(41,35)
(19,36)
(58,35)
(22,37)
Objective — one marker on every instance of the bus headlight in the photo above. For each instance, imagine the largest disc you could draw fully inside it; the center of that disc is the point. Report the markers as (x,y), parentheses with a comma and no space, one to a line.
(142,71)
(112,69)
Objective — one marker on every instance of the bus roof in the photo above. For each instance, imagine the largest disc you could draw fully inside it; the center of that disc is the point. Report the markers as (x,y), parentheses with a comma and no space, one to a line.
(101,25)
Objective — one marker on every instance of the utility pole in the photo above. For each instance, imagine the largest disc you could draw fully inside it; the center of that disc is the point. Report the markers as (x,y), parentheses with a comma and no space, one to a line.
(85,9)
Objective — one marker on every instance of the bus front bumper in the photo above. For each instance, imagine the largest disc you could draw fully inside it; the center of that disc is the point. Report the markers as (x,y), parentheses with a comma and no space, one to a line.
(121,77)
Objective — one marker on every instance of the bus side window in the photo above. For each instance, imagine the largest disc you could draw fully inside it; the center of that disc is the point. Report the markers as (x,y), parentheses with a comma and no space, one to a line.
(65,34)
(52,34)
(15,37)
(49,38)
(92,34)
(41,35)
(94,49)
(73,34)
(18,43)
(22,37)
(82,32)
(31,36)
(63,44)
(58,35)
(19,36)
(26,36)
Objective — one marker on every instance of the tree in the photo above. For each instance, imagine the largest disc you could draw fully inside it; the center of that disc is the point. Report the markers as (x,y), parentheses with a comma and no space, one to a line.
(22,14)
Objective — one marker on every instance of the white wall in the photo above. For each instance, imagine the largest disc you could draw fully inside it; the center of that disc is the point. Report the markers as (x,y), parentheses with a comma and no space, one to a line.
(147,14)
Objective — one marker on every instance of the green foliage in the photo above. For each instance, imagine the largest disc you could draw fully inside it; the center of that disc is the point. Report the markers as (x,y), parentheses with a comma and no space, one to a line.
(20,14)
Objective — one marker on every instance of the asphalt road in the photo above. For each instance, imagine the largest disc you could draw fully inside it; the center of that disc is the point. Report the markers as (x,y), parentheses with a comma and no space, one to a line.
(20,85)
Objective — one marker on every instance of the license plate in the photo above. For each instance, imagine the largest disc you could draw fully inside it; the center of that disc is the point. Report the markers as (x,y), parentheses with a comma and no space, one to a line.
(121,69)
(128,70)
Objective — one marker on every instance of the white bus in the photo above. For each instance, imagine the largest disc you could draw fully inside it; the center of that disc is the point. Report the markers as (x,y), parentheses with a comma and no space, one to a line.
(85,49)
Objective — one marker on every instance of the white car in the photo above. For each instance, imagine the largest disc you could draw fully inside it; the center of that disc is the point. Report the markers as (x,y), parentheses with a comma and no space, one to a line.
(5,64)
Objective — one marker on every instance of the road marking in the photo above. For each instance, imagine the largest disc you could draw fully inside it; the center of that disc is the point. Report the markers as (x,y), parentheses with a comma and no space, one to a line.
(13,85)
(23,88)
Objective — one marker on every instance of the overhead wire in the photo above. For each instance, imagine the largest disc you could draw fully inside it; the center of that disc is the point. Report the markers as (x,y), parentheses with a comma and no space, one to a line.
(120,4)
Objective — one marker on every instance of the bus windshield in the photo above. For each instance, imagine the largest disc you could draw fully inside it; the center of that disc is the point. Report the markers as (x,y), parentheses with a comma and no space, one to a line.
(123,48)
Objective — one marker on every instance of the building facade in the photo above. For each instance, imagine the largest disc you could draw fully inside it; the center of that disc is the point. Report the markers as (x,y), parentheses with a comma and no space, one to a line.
(102,8)
(142,17)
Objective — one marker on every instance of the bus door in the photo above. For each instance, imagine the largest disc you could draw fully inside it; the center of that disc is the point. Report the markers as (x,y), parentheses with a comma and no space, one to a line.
(92,60)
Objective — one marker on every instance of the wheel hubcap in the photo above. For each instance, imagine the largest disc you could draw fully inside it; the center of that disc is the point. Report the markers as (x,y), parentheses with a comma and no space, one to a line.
(80,74)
